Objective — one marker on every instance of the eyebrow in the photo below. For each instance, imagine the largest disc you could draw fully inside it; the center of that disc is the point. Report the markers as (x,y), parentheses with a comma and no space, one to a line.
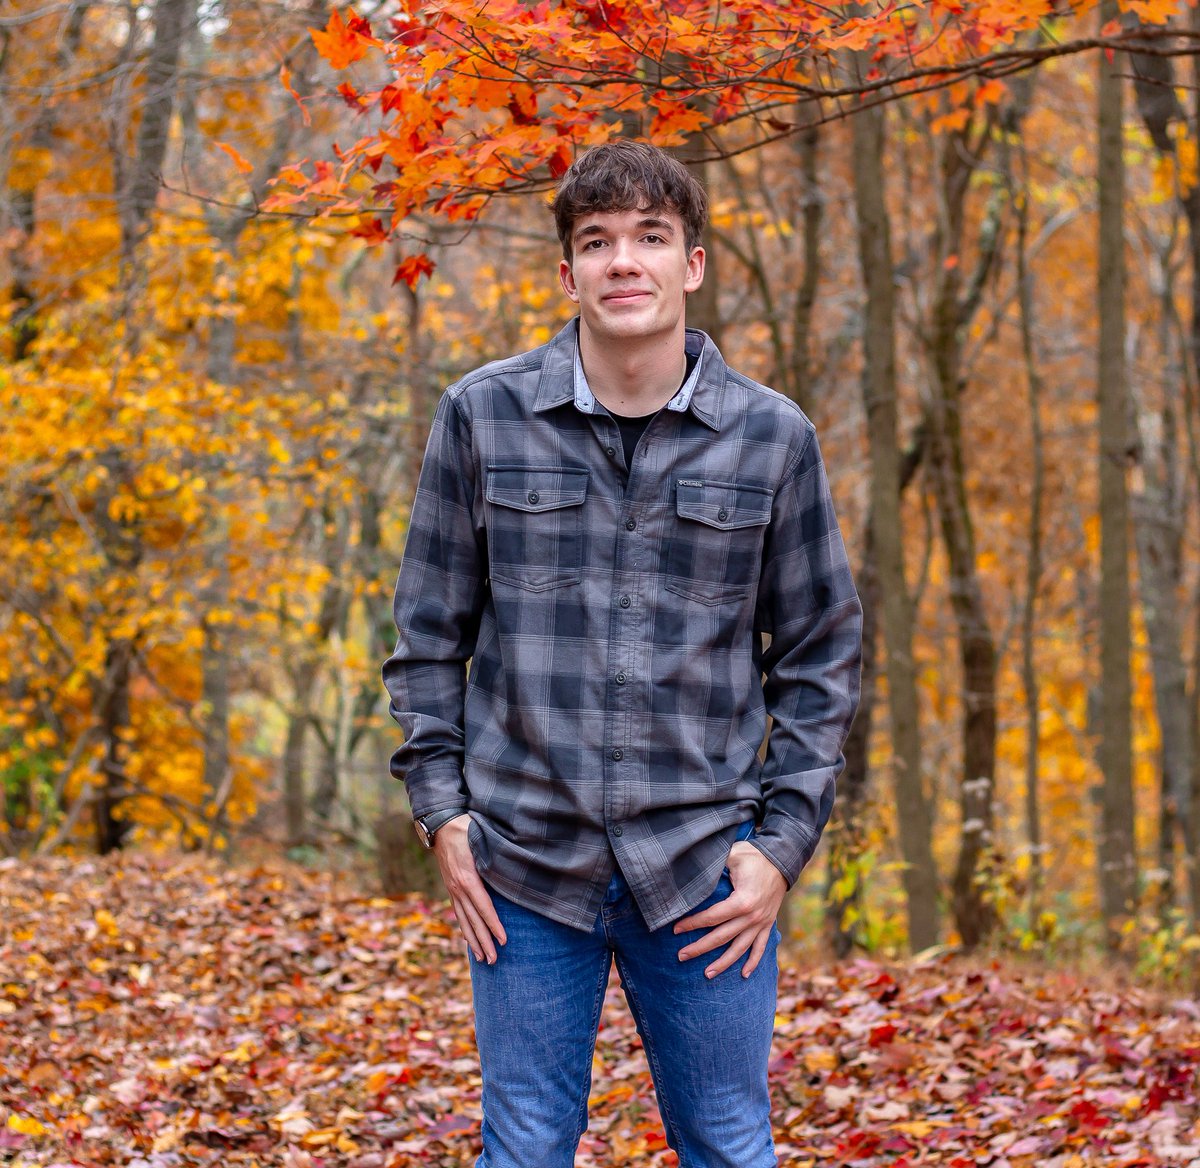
(663,225)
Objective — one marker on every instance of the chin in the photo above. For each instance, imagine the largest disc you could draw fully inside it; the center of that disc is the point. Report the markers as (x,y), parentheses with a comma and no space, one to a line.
(629,326)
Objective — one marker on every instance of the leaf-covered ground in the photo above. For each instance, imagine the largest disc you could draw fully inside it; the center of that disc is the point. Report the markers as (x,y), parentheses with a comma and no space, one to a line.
(162,1012)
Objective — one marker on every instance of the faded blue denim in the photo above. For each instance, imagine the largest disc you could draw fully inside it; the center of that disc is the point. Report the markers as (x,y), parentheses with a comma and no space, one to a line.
(707,1041)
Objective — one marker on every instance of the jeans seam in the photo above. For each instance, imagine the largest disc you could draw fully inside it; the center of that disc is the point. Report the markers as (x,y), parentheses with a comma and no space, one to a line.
(598,1004)
(664,1106)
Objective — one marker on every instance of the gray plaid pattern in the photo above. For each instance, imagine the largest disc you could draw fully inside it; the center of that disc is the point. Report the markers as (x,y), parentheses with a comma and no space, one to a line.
(613,617)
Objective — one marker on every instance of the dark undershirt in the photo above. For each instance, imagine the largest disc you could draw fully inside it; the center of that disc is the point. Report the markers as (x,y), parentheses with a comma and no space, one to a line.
(633,428)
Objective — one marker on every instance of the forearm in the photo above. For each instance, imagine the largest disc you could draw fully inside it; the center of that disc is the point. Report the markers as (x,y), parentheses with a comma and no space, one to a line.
(426,682)
(812,693)
(439,598)
(811,684)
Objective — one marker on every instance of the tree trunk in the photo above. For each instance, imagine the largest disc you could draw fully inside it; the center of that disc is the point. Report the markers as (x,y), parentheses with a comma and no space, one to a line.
(137,189)
(1116,855)
(703,305)
(913,810)
(1033,564)
(1158,530)
(950,314)
(813,209)
(216,598)
(111,827)
(140,191)
(844,879)
(1161,511)
(22,193)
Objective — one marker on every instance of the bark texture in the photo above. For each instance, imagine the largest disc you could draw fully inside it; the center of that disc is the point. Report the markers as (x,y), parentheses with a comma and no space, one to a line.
(913,809)
(1117,859)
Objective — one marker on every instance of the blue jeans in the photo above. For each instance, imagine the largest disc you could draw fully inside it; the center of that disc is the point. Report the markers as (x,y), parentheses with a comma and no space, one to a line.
(537,1011)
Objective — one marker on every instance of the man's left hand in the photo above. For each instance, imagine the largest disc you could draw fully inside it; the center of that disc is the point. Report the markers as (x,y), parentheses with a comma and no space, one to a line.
(745,918)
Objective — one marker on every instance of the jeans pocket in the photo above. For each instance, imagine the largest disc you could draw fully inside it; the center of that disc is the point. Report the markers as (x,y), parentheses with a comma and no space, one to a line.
(746,830)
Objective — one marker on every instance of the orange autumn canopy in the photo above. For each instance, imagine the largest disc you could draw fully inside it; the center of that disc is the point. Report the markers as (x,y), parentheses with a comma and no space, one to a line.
(469,99)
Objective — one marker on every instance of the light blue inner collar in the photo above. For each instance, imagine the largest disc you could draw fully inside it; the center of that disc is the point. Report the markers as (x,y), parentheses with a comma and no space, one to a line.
(585,400)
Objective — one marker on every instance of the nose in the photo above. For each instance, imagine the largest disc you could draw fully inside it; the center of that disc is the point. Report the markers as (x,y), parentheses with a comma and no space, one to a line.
(622,258)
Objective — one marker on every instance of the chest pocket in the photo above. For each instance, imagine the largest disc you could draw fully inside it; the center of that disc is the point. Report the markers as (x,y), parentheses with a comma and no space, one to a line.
(535,525)
(716,540)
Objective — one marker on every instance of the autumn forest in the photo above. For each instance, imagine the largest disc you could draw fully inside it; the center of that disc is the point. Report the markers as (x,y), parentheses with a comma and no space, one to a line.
(246,245)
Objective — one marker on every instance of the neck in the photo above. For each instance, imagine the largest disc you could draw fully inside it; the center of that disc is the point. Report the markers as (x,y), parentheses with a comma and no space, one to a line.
(633,375)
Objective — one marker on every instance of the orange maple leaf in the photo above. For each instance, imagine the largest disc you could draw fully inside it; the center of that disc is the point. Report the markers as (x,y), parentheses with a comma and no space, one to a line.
(340,43)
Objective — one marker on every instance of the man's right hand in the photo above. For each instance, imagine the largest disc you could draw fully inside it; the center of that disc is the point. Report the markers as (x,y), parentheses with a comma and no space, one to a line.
(472,904)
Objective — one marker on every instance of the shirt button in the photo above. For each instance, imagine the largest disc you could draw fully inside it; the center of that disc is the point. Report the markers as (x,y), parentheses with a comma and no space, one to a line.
(617,754)
(621,678)
(617,830)
(722,515)
(625,602)
(630,524)
(610,451)
(533,496)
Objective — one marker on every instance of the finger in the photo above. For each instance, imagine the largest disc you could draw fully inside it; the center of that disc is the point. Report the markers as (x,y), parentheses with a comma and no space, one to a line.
(736,948)
(756,951)
(481,933)
(716,914)
(467,928)
(713,939)
(482,902)
(468,887)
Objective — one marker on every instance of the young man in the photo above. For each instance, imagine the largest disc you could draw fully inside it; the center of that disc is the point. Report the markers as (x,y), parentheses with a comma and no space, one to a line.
(610,528)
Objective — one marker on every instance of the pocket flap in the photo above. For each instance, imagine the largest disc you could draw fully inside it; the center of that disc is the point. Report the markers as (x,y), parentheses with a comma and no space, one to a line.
(723,505)
(533,488)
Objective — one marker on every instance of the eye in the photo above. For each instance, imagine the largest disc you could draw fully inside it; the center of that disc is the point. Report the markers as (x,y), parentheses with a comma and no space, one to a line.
(593,244)
(654,238)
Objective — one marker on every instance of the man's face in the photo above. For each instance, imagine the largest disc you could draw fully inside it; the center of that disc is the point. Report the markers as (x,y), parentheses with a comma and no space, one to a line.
(630,272)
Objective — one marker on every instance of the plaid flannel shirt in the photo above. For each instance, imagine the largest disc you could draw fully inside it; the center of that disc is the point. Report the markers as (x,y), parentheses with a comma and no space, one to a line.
(614,619)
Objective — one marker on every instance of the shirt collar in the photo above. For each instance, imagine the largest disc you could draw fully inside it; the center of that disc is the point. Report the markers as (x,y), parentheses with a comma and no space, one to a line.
(563,378)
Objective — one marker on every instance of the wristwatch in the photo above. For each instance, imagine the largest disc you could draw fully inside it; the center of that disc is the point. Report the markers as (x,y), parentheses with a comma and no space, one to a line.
(427,826)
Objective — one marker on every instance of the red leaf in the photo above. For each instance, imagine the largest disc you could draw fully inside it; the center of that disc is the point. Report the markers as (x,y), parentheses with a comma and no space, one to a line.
(359,25)
(560,160)
(391,97)
(372,231)
(352,97)
(412,268)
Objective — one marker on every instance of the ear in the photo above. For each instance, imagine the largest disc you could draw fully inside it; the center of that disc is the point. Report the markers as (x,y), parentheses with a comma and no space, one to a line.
(694,276)
(567,279)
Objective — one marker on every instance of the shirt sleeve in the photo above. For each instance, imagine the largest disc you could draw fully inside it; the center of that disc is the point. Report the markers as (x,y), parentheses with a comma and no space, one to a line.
(439,597)
(808,604)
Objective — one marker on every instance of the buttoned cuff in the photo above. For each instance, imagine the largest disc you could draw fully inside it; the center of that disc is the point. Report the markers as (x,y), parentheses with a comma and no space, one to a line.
(787,843)
(432,790)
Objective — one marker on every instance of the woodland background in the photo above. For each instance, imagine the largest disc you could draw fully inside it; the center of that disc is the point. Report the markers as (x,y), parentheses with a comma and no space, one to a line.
(239,261)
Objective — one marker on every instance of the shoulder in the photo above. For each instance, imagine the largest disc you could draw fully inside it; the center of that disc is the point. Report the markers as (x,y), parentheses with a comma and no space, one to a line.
(522,369)
(765,409)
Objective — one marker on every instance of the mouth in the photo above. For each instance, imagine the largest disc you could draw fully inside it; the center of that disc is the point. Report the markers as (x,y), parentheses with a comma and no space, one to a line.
(625,297)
